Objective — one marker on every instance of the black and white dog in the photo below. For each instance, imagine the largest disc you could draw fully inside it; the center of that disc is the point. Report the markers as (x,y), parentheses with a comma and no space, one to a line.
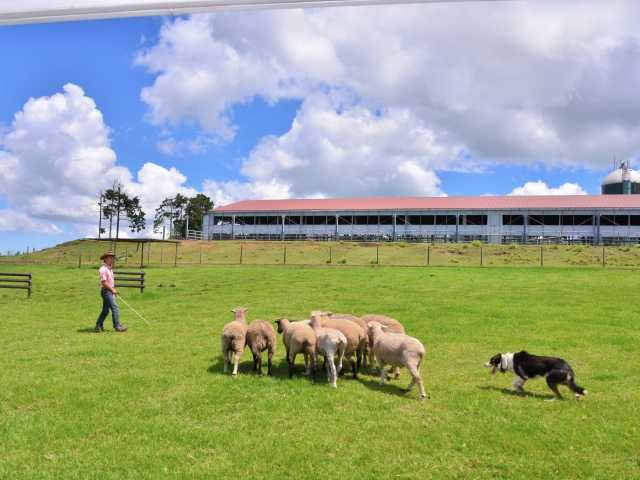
(526,366)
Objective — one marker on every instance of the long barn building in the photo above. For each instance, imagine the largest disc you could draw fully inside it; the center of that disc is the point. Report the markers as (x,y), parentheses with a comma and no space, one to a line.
(596,219)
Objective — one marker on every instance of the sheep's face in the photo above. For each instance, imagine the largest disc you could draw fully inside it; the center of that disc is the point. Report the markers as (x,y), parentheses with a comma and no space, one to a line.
(240,310)
(494,363)
(278,324)
(374,327)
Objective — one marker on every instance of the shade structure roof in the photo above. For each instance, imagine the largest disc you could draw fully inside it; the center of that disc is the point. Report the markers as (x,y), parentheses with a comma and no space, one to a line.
(547,202)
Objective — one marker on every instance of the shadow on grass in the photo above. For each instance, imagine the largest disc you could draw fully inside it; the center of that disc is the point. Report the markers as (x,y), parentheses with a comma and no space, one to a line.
(87,330)
(388,387)
(513,393)
(280,369)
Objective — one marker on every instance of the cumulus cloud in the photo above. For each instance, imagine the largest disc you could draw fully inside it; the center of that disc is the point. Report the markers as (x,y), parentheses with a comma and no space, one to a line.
(541,188)
(343,149)
(521,82)
(55,158)
(12,220)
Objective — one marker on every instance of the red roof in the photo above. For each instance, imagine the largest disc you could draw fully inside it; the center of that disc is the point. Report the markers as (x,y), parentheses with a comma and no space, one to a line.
(564,202)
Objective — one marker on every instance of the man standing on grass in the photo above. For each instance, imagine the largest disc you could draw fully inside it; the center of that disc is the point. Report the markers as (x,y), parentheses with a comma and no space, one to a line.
(108,293)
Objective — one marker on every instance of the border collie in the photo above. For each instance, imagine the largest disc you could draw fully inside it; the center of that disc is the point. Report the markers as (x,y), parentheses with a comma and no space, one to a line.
(526,366)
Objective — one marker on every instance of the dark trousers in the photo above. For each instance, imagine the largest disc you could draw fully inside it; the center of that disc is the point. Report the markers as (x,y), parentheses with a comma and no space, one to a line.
(108,303)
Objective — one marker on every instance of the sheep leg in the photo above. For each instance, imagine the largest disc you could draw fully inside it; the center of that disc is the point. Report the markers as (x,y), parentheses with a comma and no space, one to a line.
(359,359)
(383,374)
(306,363)
(225,361)
(259,360)
(372,362)
(236,361)
(396,374)
(340,357)
(269,362)
(292,362)
(354,368)
(415,378)
(314,361)
(334,374)
(255,361)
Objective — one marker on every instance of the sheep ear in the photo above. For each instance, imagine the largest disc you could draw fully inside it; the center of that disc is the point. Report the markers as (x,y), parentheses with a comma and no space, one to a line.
(384,328)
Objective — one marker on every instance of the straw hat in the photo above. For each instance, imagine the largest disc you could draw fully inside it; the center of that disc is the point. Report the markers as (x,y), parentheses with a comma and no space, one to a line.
(107,254)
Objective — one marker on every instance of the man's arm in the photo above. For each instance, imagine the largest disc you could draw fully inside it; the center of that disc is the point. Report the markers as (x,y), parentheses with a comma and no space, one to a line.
(107,287)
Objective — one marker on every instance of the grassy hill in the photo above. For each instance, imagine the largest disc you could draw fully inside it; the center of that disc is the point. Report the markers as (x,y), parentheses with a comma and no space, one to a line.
(228,252)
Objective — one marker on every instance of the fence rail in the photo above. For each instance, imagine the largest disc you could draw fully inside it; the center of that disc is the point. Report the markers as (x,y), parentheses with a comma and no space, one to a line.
(338,253)
(24,281)
(129,280)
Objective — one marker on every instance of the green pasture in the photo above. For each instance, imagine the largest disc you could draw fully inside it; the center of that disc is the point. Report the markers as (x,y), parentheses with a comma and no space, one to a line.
(153,402)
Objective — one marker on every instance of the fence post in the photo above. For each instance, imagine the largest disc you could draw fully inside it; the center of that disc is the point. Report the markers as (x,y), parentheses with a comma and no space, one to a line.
(161,252)
(541,257)
(200,254)
(330,255)
(284,256)
(30,285)
(481,259)
(175,259)
(604,261)
(241,249)
(428,255)
(377,254)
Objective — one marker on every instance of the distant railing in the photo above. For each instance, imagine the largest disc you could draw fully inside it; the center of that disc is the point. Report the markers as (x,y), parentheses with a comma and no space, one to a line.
(21,281)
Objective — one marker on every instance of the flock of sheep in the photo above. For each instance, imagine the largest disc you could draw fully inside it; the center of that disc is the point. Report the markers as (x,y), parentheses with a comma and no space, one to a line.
(343,338)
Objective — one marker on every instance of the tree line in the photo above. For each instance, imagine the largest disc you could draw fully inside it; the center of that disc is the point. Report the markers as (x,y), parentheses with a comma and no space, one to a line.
(172,217)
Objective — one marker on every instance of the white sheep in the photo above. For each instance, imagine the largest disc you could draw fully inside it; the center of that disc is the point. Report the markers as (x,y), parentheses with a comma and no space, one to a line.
(233,339)
(260,337)
(298,337)
(398,350)
(330,342)
(392,326)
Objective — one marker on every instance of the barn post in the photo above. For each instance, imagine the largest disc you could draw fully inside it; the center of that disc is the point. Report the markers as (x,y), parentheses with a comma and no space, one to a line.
(393,237)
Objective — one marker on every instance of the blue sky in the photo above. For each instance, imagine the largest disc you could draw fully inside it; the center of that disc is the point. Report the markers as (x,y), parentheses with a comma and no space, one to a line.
(330,102)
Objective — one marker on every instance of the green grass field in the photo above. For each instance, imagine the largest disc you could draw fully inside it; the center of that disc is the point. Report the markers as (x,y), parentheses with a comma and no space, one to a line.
(153,402)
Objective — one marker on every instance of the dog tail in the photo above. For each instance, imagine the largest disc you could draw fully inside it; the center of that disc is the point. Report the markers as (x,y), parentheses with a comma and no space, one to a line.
(575,388)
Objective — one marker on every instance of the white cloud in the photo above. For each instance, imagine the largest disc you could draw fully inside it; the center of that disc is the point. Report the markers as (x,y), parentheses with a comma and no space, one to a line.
(12,220)
(541,188)
(56,157)
(522,82)
(342,149)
